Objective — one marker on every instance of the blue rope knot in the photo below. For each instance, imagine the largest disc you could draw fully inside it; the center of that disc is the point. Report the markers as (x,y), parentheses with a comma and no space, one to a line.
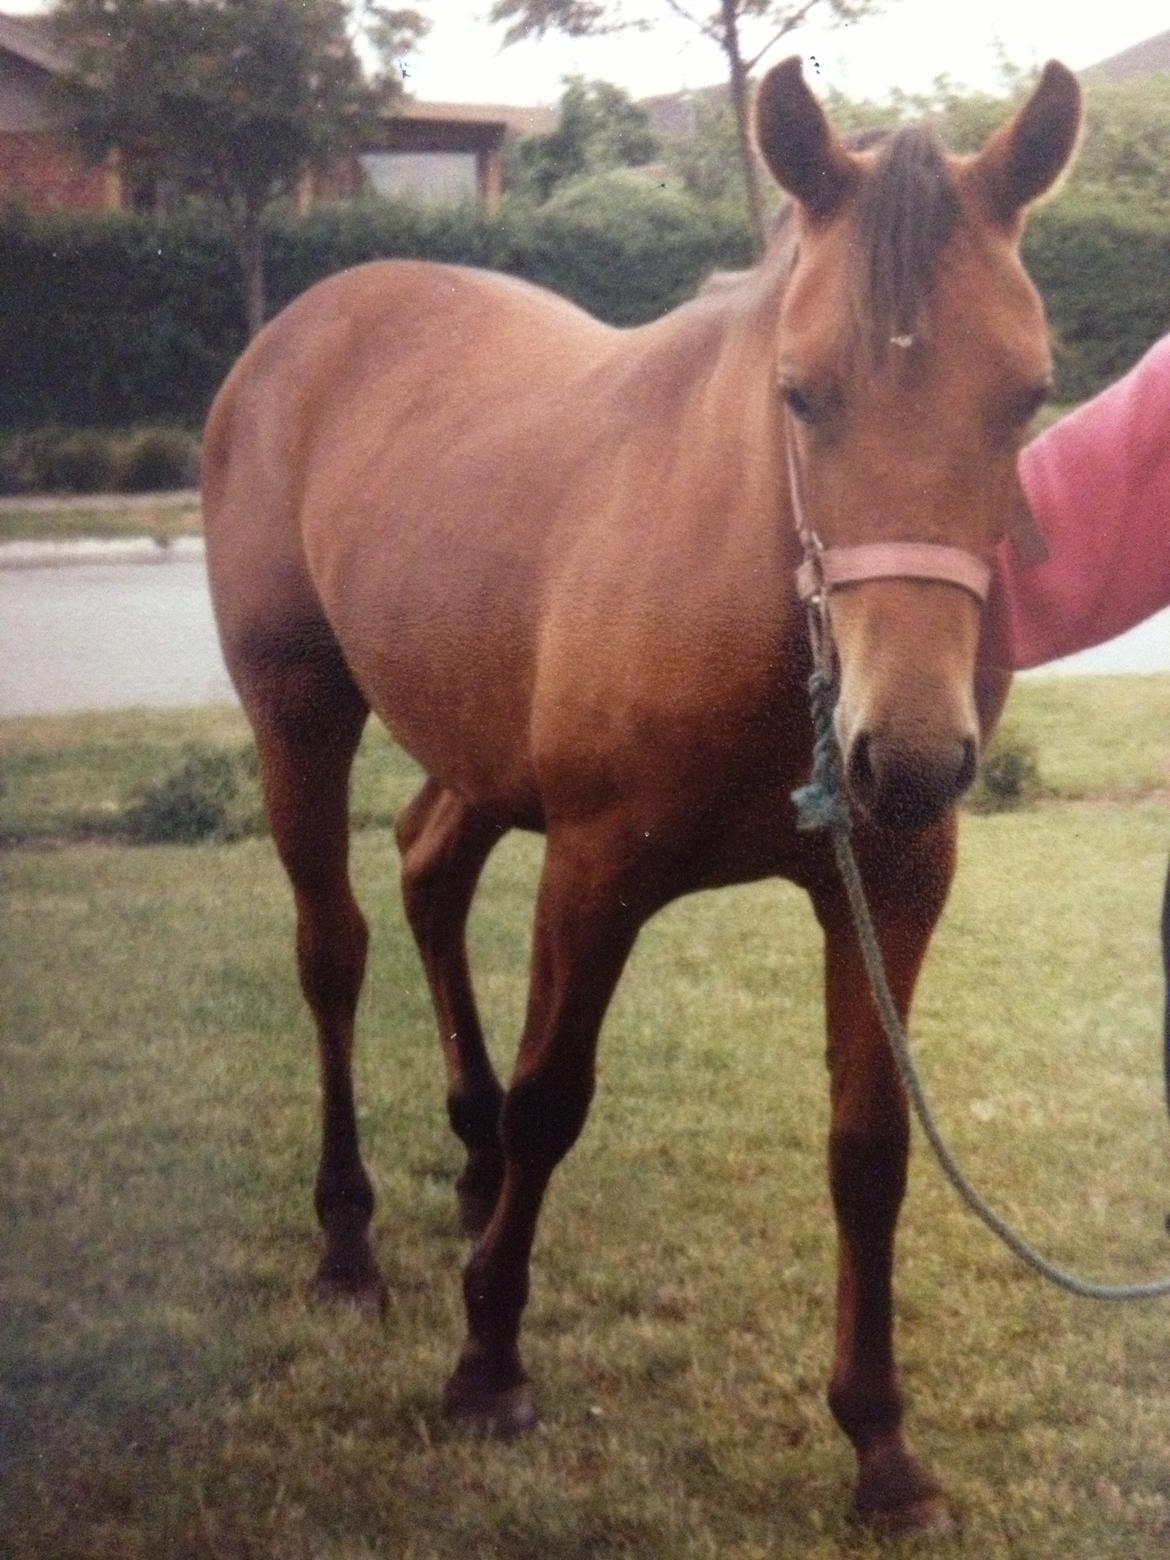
(822,804)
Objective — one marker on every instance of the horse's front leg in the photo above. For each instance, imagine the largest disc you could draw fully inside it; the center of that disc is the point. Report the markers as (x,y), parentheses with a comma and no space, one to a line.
(907,884)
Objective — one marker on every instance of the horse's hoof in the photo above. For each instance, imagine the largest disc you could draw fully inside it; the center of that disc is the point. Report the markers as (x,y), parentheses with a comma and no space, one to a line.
(365,1289)
(897,1495)
(930,1517)
(506,1412)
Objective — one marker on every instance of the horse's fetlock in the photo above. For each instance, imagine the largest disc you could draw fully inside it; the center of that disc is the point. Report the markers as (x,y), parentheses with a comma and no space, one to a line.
(344,1201)
(868,1413)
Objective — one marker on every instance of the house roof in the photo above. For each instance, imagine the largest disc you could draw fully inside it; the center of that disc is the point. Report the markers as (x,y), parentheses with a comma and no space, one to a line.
(1141,59)
(31,39)
(518,121)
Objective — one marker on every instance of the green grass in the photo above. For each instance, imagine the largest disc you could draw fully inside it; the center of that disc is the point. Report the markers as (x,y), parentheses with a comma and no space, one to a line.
(1097,736)
(71,777)
(164,1390)
(163,516)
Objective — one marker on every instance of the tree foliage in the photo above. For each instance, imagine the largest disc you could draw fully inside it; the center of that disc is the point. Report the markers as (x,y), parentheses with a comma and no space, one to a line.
(600,128)
(1124,156)
(229,99)
(705,156)
(743,30)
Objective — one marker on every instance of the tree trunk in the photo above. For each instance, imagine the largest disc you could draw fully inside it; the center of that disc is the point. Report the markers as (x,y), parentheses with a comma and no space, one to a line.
(250,249)
(739,102)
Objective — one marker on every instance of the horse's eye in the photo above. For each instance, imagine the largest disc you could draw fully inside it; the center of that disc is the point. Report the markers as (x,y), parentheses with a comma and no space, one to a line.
(799,404)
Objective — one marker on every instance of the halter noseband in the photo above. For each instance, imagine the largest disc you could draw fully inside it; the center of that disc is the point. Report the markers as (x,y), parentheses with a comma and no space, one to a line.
(825,568)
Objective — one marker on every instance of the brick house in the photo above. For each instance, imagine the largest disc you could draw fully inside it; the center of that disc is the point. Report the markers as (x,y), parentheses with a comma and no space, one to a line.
(39,165)
(431,151)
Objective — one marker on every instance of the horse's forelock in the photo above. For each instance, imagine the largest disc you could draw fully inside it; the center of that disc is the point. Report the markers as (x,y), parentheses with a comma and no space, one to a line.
(906,213)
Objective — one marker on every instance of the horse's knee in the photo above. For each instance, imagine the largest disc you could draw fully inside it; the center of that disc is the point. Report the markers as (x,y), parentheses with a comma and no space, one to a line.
(542,1117)
(474,1113)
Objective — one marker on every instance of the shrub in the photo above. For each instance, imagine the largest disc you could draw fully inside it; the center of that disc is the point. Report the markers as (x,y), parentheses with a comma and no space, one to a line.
(114,320)
(13,466)
(96,460)
(1009,775)
(628,250)
(157,459)
(210,796)
(1101,269)
(61,460)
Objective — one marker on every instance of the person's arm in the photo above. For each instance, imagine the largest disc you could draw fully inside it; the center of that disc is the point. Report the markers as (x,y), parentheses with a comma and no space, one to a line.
(1098,484)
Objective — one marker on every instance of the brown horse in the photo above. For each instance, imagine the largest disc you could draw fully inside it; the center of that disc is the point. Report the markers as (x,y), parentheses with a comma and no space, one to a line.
(557,559)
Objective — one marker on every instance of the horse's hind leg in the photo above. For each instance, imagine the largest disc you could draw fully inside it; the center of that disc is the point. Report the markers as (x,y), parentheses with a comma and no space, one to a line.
(588,913)
(444,843)
(308,718)
(868,1150)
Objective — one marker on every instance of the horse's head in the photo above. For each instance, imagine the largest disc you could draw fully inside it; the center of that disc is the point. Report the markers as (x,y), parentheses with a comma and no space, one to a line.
(912,352)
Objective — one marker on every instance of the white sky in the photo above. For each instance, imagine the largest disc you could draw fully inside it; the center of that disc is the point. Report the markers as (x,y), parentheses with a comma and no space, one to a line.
(915,41)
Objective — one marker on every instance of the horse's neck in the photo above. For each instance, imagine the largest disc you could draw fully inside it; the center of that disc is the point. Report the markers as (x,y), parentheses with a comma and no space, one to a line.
(720,352)
(699,408)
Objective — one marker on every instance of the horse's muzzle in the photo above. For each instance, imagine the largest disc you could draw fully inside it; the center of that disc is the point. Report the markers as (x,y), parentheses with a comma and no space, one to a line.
(898,789)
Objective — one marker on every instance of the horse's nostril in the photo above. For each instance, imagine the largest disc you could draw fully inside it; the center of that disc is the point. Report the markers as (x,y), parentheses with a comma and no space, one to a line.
(907,790)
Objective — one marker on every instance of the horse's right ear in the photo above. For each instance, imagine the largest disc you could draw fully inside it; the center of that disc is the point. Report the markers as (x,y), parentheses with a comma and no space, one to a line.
(798,144)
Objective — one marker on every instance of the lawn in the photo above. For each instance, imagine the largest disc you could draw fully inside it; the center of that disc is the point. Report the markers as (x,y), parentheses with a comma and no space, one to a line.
(71,777)
(165,1390)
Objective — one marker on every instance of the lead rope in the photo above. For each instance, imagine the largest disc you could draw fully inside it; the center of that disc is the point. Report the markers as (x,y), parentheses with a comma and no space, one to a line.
(824,804)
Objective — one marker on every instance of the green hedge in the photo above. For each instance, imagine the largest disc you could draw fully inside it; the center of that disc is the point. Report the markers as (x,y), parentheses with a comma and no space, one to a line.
(1104,273)
(114,321)
(119,321)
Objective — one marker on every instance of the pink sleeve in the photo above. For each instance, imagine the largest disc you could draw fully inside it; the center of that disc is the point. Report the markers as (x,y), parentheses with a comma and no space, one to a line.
(1098,483)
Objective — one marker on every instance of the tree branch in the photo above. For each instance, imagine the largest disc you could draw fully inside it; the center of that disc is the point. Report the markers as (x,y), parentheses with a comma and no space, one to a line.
(791,23)
(710,29)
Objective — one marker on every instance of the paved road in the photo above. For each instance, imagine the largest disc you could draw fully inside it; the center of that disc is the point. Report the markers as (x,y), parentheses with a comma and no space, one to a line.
(96,636)
(114,634)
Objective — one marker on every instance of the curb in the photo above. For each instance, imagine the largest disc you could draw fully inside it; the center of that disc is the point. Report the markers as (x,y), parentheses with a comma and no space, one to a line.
(134,549)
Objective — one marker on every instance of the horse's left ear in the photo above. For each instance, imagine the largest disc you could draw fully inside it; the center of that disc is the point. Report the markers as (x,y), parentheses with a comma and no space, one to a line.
(798,144)
(1023,161)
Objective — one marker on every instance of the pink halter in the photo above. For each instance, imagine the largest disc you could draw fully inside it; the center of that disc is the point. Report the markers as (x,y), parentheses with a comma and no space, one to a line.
(826,568)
